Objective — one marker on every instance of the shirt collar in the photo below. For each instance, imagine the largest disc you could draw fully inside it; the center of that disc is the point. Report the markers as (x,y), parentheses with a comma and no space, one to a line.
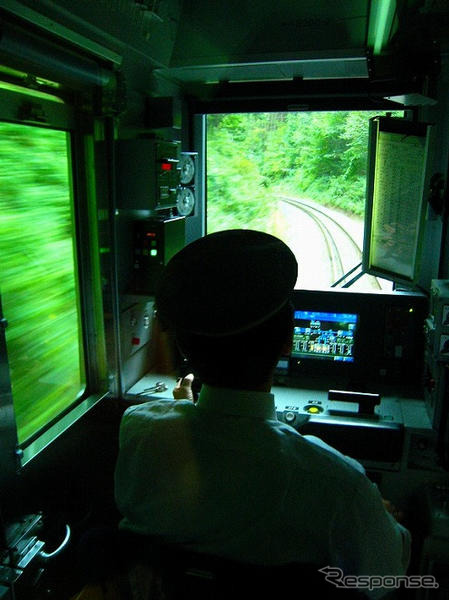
(243,403)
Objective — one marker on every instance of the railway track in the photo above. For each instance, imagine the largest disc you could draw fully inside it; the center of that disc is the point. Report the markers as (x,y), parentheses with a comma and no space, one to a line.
(343,251)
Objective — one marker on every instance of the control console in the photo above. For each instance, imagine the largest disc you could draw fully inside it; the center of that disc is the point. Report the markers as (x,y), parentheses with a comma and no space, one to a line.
(363,426)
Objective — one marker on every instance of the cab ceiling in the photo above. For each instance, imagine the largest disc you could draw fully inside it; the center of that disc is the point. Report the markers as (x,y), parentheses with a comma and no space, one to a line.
(236,40)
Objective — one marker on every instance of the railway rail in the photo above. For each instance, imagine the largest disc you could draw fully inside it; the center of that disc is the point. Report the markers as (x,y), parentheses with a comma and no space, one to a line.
(335,238)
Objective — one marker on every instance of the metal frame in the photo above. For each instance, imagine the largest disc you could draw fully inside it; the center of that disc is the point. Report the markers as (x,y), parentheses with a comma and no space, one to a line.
(298,95)
(60,116)
(8,432)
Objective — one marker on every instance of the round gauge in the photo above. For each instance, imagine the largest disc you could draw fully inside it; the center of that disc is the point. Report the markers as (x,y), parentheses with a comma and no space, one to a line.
(187,167)
(185,201)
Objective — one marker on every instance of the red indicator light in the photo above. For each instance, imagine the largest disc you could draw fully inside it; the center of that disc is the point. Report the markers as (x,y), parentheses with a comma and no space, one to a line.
(165,166)
(151,234)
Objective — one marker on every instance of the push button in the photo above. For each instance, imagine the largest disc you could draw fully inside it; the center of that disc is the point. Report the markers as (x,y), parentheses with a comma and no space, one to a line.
(289,417)
(312,409)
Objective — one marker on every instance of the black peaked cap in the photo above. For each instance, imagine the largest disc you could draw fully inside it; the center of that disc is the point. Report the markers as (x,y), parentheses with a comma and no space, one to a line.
(226,282)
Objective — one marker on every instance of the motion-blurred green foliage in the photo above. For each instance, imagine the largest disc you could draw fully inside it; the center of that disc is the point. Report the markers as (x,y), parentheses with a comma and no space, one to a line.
(37,274)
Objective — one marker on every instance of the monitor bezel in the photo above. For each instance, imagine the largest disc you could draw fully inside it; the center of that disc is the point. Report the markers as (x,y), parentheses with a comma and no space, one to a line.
(376,363)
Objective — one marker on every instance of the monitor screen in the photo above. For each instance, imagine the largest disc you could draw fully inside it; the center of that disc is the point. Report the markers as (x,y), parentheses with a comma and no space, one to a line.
(324,335)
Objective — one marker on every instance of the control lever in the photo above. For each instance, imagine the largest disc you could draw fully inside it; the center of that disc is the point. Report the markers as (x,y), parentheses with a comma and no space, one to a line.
(366,401)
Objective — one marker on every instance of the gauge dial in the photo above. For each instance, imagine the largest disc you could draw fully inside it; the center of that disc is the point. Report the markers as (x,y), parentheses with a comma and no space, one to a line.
(185,201)
(187,167)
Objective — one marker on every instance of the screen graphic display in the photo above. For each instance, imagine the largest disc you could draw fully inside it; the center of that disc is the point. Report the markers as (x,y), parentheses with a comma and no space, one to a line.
(324,335)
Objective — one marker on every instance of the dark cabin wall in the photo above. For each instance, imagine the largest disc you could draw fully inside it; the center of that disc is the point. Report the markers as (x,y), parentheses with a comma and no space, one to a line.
(71,481)
(436,113)
(440,114)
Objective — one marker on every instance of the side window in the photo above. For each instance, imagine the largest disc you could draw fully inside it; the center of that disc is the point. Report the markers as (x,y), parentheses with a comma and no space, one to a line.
(38,275)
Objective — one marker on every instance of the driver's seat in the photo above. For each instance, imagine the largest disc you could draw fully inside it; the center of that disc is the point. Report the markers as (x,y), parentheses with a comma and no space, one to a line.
(135,567)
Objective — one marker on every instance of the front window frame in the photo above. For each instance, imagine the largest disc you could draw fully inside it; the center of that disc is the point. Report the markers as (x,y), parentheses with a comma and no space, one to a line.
(343,101)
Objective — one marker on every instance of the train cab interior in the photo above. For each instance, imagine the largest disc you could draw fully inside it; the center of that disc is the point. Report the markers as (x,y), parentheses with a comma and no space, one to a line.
(130,128)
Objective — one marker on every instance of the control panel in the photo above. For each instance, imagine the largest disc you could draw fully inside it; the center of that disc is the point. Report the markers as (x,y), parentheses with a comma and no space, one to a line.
(436,331)
(364,426)
(136,320)
(148,174)
(156,240)
(355,340)
(298,406)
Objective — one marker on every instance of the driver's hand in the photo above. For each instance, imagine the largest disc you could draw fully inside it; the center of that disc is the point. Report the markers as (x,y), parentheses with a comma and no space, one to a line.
(183,388)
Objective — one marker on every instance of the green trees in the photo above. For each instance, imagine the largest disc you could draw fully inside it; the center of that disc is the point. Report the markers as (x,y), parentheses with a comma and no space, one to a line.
(38,274)
(252,157)
(236,184)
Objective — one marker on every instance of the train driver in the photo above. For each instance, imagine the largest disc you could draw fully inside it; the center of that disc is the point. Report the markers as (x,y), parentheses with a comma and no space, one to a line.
(224,476)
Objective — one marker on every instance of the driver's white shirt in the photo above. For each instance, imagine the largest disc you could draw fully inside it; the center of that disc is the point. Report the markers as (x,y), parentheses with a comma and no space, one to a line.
(226,477)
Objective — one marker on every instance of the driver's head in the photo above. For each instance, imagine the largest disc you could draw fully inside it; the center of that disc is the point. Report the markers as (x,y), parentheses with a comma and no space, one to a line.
(226,300)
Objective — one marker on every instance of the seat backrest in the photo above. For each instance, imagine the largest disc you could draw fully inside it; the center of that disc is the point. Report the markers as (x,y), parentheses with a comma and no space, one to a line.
(144,568)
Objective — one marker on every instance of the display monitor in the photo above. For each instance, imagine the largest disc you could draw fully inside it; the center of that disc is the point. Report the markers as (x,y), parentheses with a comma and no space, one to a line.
(324,335)
(354,340)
